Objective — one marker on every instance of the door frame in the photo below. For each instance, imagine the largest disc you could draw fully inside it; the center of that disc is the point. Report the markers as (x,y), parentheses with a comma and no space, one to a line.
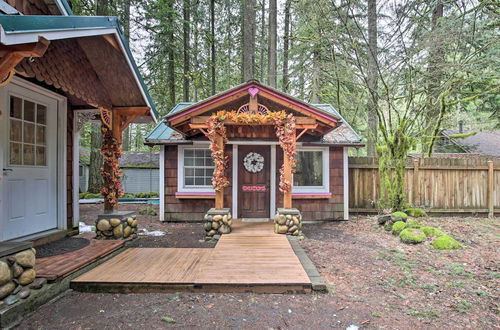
(272,177)
(61,167)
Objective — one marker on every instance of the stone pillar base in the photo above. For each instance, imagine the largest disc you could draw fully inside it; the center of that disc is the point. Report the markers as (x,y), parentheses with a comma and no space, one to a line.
(116,225)
(217,222)
(288,221)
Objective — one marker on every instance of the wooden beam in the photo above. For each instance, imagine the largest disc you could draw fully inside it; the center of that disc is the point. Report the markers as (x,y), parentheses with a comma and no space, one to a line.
(13,55)
(287,196)
(219,195)
(116,126)
(301,133)
(112,41)
(253,104)
(132,110)
(127,120)
(205,126)
(299,121)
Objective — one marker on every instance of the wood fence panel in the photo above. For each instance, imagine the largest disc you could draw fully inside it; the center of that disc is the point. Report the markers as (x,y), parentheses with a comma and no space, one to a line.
(439,184)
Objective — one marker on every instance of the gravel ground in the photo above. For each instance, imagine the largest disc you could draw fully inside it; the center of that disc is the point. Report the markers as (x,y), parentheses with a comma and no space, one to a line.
(374,282)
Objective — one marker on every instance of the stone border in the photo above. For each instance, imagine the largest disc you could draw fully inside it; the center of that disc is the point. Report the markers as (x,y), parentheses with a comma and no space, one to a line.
(288,221)
(116,225)
(317,282)
(217,222)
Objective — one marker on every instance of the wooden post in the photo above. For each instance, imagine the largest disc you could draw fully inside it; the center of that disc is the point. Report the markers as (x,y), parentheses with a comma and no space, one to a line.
(490,189)
(219,195)
(117,134)
(415,184)
(287,196)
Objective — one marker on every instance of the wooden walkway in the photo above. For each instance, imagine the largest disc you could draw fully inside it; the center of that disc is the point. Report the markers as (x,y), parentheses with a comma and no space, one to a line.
(251,258)
(62,265)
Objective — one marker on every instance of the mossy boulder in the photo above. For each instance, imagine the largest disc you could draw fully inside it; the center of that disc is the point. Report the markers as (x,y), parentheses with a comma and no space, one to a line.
(412,223)
(412,236)
(415,212)
(388,226)
(445,242)
(398,216)
(432,231)
(398,227)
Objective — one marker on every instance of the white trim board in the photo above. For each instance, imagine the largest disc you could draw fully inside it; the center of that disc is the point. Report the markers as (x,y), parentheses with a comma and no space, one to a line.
(346,182)
(162,183)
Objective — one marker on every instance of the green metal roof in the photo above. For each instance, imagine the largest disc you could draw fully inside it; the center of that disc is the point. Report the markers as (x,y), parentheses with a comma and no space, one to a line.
(12,25)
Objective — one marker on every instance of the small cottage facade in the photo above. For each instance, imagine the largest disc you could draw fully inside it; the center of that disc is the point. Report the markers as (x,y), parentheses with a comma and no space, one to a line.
(256,163)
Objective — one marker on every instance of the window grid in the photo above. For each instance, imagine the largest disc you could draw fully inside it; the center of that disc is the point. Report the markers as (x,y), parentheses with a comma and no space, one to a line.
(316,180)
(198,168)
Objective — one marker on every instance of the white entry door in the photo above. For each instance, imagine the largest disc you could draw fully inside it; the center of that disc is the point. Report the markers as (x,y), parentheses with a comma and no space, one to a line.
(28,144)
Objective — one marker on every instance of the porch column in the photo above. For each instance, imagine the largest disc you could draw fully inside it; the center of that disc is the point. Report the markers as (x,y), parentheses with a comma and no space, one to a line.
(219,195)
(117,135)
(287,171)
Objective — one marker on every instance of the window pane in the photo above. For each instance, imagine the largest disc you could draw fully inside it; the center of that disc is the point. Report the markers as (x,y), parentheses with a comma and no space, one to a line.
(209,172)
(16,109)
(188,153)
(16,129)
(189,161)
(199,153)
(189,181)
(309,171)
(29,111)
(189,171)
(199,181)
(41,114)
(199,172)
(40,135)
(199,162)
(41,159)
(15,154)
(208,181)
(209,161)
(28,155)
(29,133)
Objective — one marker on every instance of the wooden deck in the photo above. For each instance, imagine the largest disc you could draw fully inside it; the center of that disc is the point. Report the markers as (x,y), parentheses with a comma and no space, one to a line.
(252,258)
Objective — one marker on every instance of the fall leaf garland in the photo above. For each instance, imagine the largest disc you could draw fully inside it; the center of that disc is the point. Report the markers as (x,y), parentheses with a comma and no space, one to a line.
(110,172)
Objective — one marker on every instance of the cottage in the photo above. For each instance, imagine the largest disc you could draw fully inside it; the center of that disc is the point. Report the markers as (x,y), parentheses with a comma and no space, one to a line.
(241,126)
(57,71)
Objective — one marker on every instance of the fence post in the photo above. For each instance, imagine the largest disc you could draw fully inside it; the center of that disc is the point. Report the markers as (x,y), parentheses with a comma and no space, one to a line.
(415,190)
(490,189)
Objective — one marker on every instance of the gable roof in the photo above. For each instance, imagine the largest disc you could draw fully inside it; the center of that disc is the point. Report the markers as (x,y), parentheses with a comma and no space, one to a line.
(483,142)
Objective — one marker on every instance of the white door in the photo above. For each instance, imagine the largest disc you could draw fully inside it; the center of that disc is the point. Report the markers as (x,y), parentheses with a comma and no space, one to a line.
(28,144)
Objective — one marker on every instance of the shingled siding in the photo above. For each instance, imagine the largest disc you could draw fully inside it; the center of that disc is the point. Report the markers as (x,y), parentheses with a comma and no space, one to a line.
(188,209)
(320,209)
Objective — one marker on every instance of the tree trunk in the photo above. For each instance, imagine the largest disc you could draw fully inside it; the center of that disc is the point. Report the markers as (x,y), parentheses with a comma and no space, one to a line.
(372,78)
(262,39)
(248,61)
(171,53)
(286,43)
(102,7)
(96,159)
(212,41)
(315,77)
(186,36)
(125,21)
(271,57)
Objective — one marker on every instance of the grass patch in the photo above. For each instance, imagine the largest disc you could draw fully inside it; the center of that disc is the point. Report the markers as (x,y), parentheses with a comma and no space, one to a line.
(168,319)
(375,314)
(422,314)
(463,306)
(430,287)
(458,270)
(482,293)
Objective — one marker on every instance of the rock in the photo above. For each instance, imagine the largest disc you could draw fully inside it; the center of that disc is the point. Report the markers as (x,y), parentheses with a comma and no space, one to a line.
(289,217)
(38,283)
(25,293)
(130,220)
(17,289)
(382,219)
(127,231)
(5,273)
(6,289)
(27,276)
(282,229)
(296,221)
(134,223)
(293,228)
(11,300)
(118,231)
(296,233)
(218,217)
(276,228)
(230,222)
(17,270)
(211,233)
(103,225)
(215,225)
(229,216)
(11,260)
(26,258)
(115,222)
(225,219)
(207,226)
(281,220)
(107,233)
(224,229)
(216,237)
(208,217)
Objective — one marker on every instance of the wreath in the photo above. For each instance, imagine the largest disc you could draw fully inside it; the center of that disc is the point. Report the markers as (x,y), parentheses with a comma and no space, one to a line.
(253,162)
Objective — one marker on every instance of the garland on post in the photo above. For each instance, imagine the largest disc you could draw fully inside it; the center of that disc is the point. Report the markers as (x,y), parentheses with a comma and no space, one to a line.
(110,171)
(285,131)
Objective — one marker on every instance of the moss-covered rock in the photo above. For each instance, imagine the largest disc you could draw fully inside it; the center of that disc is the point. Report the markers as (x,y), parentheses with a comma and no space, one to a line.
(415,212)
(445,242)
(398,227)
(412,223)
(399,216)
(388,226)
(412,236)
(432,231)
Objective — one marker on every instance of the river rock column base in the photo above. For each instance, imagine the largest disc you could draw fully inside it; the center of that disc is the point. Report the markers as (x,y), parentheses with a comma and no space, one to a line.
(288,221)
(217,222)
(116,225)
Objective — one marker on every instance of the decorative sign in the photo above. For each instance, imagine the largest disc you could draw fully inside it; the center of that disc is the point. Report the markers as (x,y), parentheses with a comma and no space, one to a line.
(253,188)
(253,162)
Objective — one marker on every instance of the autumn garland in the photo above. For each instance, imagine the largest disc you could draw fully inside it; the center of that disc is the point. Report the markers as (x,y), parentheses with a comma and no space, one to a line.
(285,131)
(111,172)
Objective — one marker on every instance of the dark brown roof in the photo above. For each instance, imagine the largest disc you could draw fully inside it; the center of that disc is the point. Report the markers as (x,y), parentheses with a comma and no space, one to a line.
(483,142)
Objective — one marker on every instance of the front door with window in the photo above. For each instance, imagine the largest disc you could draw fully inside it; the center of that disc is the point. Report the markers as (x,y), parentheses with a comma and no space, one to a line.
(28,144)
(254,172)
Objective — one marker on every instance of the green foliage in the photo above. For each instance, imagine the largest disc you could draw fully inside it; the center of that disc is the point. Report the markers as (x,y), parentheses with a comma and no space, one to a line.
(149,211)
(416,212)
(412,223)
(462,135)
(400,215)
(397,227)
(445,242)
(432,231)
(388,226)
(168,319)
(463,306)
(88,195)
(151,194)
(412,236)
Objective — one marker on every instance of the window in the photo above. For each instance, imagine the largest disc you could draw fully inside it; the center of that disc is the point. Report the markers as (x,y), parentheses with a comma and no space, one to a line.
(311,173)
(27,138)
(196,168)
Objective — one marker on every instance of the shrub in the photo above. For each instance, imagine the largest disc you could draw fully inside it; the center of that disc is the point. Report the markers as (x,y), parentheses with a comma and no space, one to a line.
(398,216)
(88,195)
(412,236)
(397,227)
(412,223)
(415,212)
(445,242)
(432,231)
(388,226)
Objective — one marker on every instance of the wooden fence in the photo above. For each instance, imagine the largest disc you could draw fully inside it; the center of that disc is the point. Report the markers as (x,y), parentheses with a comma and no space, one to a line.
(441,185)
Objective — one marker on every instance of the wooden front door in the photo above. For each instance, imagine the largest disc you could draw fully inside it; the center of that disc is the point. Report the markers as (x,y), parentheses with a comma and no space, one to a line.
(254,172)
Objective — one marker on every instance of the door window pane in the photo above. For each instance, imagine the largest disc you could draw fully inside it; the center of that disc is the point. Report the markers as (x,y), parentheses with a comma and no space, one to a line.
(29,133)
(16,107)
(41,159)
(15,154)
(41,114)
(28,154)
(29,111)
(309,170)
(40,135)
(16,130)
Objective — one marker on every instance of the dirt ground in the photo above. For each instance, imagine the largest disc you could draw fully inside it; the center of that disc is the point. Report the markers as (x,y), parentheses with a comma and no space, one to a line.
(374,282)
